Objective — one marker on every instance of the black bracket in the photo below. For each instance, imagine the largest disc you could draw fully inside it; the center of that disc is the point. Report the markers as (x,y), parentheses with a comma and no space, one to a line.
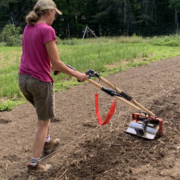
(91,73)
(115,93)
(144,123)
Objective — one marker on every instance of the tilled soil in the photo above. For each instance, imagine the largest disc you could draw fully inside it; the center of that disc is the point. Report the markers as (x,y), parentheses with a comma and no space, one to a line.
(89,151)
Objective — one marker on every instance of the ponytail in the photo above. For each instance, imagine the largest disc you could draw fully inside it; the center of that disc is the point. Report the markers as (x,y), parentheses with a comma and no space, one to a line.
(34,15)
(32,18)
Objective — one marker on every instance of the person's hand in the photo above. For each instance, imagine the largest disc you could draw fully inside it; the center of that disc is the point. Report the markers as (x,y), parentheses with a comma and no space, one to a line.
(81,77)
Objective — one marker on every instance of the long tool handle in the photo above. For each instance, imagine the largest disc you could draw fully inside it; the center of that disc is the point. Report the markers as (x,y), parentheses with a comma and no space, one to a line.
(132,100)
(125,101)
(143,108)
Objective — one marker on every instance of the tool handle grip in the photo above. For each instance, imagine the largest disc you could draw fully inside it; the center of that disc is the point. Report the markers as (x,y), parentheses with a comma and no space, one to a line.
(56,72)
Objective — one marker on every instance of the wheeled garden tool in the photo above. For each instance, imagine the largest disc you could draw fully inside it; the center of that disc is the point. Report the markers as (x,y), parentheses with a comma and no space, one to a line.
(144,124)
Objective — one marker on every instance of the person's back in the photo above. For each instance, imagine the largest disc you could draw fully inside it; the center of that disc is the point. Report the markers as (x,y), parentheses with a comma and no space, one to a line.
(35,60)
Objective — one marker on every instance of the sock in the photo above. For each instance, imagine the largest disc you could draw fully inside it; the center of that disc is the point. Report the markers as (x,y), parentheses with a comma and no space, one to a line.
(48,138)
(34,161)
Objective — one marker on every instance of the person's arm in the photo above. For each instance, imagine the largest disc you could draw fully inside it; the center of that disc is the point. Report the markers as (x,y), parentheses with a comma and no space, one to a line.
(54,70)
(58,65)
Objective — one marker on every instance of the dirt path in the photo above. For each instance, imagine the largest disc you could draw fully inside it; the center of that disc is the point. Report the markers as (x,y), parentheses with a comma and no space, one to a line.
(92,152)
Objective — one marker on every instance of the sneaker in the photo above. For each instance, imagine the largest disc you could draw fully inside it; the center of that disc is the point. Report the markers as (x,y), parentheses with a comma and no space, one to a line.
(51,145)
(39,168)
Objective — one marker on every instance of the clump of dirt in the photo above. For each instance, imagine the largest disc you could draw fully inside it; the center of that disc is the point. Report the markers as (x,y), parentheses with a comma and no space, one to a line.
(4,121)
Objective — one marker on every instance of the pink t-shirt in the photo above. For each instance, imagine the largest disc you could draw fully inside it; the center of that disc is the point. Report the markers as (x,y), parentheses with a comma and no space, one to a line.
(35,60)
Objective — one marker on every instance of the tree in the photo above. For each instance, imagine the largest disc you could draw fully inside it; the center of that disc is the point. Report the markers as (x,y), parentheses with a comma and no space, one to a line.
(175,4)
(115,17)
(13,12)
(7,2)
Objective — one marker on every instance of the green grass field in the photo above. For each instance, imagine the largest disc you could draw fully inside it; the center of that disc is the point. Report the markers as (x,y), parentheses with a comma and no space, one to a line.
(105,55)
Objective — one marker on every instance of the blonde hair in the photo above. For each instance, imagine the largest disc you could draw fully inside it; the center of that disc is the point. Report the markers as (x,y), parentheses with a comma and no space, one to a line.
(34,15)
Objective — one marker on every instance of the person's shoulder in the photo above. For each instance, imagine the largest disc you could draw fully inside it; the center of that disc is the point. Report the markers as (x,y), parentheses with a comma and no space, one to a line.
(28,26)
(45,26)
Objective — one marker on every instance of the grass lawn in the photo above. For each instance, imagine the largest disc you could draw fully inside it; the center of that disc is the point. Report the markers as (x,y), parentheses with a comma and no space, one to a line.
(105,55)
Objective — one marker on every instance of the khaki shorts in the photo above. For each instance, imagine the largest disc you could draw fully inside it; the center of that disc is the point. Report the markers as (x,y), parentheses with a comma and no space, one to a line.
(39,94)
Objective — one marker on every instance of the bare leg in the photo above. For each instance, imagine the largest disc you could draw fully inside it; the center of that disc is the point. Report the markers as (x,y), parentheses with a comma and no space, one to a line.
(41,134)
(48,127)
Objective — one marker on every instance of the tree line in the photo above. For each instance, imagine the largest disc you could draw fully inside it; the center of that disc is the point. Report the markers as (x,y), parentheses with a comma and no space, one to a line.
(104,17)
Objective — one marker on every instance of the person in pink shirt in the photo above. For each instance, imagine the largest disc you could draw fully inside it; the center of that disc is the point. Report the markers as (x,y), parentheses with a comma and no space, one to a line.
(39,56)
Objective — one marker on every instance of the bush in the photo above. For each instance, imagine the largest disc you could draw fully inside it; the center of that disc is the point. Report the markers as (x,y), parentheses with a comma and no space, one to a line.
(11,35)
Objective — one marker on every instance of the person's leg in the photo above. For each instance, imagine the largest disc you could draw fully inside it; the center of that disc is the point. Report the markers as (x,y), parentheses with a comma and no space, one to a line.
(35,166)
(50,144)
(41,134)
(37,93)
(48,137)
